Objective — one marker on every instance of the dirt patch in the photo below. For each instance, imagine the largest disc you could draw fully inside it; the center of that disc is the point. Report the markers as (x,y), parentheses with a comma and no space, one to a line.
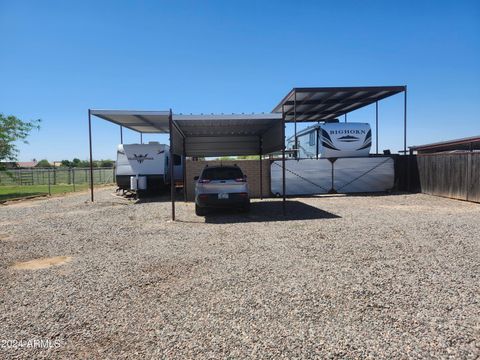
(5,237)
(42,263)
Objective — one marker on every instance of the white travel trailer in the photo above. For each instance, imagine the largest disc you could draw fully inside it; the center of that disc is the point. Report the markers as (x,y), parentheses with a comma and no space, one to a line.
(146,166)
(333,140)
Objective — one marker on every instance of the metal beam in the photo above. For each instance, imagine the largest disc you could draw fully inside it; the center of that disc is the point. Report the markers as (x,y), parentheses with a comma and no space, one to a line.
(295,123)
(405,121)
(376,127)
(395,89)
(261,167)
(121,134)
(325,101)
(283,164)
(172,178)
(184,167)
(91,152)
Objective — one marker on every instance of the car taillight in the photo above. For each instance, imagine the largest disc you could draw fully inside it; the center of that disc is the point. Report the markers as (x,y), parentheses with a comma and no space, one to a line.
(203,181)
(203,196)
(243,194)
(240,180)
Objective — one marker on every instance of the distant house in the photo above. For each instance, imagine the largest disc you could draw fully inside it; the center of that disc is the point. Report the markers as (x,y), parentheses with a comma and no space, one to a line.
(19,164)
(26,164)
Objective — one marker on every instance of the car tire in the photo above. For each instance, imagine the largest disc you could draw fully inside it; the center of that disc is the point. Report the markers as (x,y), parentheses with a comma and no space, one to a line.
(246,208)
(199,211)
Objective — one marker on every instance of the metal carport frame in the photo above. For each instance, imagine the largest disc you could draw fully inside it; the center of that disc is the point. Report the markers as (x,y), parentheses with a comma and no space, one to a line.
(201,135)
(326,104)
(255,134)
(227,135)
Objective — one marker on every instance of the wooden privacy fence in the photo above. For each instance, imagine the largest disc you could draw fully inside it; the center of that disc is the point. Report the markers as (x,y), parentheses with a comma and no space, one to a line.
(453,175)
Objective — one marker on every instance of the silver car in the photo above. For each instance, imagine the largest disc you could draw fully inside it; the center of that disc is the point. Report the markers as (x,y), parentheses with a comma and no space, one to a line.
(221,187)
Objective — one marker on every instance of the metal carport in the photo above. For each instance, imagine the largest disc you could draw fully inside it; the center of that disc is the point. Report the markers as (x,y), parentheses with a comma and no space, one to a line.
(202,135)
(248,134)
(326,104)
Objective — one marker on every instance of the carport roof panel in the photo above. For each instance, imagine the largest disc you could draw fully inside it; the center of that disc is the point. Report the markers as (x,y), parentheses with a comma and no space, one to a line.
(140,121)
(229,135)
(327,103)
(216,125)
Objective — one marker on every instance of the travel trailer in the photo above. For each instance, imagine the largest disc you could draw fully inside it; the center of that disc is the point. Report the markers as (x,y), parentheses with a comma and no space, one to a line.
(146,167)
(332,140)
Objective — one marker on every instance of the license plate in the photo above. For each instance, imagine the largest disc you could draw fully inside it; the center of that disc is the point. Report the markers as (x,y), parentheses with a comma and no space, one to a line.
(223,196)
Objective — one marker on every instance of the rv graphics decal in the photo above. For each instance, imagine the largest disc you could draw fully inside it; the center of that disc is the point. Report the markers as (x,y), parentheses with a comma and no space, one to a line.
(327,141)
(367,142)
(348,138)
(140,158)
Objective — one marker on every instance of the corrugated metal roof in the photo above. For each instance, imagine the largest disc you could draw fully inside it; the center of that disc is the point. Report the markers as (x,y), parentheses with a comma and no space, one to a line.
(206,135)
(141,121)
(327,103)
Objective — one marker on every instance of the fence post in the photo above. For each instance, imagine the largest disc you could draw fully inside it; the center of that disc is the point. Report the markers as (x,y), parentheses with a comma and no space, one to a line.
(49,190)
(73,178)
(469,177)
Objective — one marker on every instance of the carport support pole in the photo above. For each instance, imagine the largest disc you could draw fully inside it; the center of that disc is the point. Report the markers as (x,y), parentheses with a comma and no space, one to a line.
(405,122)
(121,134)
(295,122)
(261,170)
(376,127)
(141,138)
(283,162)
(170,163)
(184,162)
(91,155)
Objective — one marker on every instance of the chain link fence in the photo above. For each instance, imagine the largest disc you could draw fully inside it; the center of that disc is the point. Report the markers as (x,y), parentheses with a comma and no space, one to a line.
(16,183)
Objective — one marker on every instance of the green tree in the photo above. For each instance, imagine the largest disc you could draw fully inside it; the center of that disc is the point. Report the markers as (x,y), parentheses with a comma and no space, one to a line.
(106,163)
(66,163)
(12,129)
(43,164)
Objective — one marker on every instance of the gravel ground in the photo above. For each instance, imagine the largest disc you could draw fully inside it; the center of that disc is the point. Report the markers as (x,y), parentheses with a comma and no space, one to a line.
(341,277)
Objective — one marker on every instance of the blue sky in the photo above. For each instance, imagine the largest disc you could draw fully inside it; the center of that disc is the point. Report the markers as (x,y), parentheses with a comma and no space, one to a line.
(59,58)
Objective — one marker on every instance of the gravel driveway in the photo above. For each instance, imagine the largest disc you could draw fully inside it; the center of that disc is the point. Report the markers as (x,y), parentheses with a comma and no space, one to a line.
(340,277)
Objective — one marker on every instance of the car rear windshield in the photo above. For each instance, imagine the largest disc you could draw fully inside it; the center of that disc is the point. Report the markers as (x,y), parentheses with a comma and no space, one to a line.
(222,173)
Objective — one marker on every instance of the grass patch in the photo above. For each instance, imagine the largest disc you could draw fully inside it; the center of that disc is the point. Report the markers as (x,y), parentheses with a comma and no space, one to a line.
(14,192)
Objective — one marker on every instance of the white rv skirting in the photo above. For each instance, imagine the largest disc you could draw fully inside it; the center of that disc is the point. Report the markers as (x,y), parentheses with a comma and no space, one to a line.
(349,175)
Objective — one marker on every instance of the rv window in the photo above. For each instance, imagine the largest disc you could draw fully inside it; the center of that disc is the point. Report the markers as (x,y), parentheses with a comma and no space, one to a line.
(311,140)
(177,160)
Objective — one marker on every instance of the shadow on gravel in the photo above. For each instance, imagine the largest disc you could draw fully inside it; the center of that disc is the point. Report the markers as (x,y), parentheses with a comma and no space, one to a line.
(264,211)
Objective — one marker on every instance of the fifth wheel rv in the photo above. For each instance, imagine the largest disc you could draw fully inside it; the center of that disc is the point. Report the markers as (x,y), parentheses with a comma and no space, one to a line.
(146,166)
(333,140)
